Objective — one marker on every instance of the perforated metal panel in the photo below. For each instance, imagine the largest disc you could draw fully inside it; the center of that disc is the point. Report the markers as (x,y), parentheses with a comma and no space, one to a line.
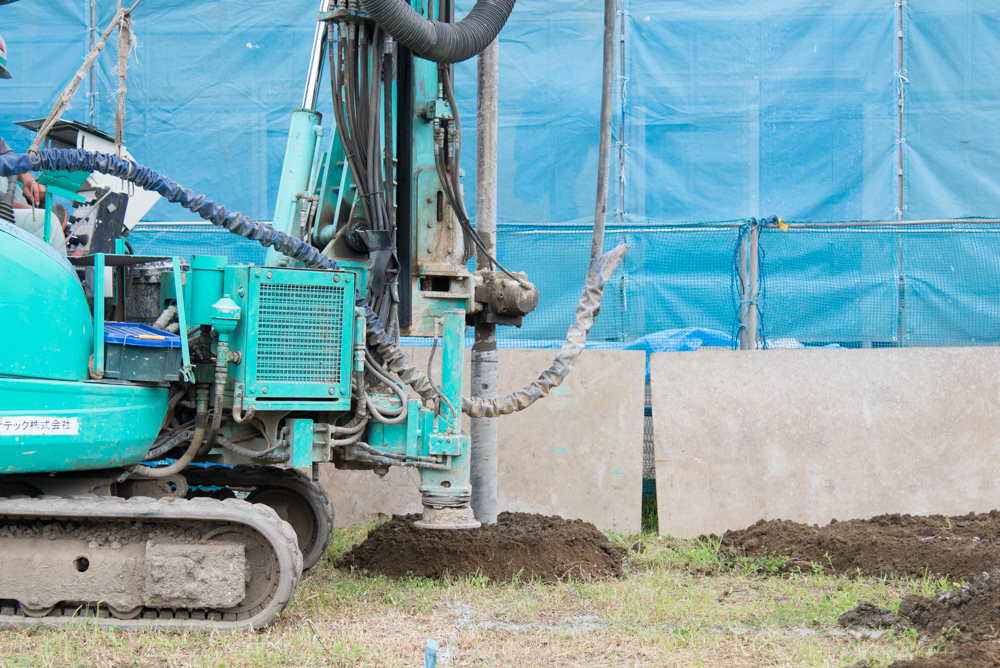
(299,333)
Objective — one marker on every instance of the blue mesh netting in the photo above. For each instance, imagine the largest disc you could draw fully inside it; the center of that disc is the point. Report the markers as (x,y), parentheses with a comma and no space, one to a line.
(895,286)
(195,239)
(829,285)
(949,282)
(884,286)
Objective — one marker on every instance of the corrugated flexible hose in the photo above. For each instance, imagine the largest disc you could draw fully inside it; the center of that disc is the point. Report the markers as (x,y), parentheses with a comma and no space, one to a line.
(436,41)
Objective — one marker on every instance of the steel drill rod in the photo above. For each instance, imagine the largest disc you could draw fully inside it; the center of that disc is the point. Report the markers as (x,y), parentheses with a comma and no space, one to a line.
(483,431)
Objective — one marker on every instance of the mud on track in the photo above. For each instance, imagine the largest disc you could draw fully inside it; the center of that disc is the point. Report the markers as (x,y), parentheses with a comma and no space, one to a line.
(519,545)
(902,545)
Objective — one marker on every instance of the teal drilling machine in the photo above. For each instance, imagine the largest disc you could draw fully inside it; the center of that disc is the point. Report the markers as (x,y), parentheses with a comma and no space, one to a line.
(157,414)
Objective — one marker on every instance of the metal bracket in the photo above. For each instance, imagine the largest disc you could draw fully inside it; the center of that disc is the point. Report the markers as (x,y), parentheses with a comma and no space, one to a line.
(445,444)
(302,443)
(438,109)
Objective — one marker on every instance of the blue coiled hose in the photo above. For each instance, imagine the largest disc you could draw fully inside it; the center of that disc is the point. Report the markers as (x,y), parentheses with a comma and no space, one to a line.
(237,223)
(147,179)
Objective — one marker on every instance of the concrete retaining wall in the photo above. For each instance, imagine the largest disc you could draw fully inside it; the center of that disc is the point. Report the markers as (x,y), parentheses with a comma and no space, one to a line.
(812,435)
(576,453)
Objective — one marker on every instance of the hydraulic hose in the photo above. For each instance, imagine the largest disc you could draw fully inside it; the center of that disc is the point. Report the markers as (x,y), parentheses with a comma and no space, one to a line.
(436,41)
(178,466)
(147,179)
(269,454)
(394,358)
(200,426)
(166,317)
(171,405)
(169,445)
(221,365)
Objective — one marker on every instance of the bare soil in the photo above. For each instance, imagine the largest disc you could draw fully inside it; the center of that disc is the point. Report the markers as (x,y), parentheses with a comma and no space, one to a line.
(970,612)
(519,545)
(963,548)
(971,655)
(869,616)
(901,545)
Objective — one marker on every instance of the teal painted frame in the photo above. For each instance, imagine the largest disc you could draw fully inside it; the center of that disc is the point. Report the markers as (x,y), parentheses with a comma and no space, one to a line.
(98,364)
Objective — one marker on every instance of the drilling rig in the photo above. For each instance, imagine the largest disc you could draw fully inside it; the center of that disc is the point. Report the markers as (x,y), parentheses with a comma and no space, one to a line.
(155,440)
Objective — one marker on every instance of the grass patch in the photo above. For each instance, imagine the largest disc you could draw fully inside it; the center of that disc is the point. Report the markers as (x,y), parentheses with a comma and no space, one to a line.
(650,515)
(682,603)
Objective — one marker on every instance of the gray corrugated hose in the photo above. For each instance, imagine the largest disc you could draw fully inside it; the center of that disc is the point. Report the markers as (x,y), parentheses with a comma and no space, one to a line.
(441,42)
(601,269)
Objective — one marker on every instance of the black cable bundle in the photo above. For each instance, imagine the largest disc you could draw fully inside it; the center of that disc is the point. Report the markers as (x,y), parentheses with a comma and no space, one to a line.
(447,156)
(357,69)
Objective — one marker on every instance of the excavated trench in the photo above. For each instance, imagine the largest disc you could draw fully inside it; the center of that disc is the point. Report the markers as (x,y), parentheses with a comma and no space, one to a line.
(520,545)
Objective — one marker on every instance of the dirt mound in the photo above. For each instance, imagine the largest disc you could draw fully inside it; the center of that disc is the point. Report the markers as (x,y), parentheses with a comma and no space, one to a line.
(968,655)
(548,548)
(970,612)
(903,545)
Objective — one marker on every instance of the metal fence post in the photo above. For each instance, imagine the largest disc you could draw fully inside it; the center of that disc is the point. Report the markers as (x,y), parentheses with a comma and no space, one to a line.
(753,272)
(741,271)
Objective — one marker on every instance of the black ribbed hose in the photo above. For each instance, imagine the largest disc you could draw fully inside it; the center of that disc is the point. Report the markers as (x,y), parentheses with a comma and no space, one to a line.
(441,42)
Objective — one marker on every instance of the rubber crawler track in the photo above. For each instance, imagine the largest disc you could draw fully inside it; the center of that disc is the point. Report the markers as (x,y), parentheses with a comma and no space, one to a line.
(254,517)
(262,477)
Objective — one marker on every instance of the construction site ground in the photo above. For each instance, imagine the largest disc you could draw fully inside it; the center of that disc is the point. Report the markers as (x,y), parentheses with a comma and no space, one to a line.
(701,602)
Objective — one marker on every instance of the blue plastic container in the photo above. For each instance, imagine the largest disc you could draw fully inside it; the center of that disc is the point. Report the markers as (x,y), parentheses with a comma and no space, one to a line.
(133,351)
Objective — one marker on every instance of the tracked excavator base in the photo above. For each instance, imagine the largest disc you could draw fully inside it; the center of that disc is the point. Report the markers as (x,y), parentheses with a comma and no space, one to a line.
(141,563)
(297,500)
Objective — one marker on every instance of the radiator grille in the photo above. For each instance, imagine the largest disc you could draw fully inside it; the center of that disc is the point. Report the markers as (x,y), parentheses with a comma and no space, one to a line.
(299,333)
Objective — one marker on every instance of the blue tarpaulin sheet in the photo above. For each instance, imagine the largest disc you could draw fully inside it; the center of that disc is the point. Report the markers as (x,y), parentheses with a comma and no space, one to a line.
(724,110)
(952,108)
